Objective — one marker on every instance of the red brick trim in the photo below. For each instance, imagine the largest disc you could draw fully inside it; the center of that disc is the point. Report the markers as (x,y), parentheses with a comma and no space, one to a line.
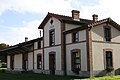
(105,42)
(104,56)
(89,50)
(72,51)
(43,50)
(63,56)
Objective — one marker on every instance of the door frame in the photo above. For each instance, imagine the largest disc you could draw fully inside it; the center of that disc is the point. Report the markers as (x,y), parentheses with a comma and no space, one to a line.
(25,61)
(52,64)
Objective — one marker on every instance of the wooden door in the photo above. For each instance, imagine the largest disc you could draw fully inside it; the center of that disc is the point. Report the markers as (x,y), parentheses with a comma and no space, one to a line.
(52,63)
(25,61)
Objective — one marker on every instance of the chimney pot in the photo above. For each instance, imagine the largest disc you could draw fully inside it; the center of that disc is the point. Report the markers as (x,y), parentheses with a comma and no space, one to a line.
(95,17)
(26,39)
(75,14)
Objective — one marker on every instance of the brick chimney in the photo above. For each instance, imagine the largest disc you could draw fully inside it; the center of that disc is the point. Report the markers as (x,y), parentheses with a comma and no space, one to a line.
(26,39)
(95,17)
(75,14)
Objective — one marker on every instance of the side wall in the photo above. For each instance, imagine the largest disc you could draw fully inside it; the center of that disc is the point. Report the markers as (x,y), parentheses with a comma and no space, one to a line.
(80,45)
(99,44)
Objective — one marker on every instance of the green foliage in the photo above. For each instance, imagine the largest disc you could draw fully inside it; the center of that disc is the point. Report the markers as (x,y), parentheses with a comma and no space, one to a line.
(109,69)
(3,46)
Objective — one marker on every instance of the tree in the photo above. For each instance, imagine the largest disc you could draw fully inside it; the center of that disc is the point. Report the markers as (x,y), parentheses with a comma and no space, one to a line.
(3,46)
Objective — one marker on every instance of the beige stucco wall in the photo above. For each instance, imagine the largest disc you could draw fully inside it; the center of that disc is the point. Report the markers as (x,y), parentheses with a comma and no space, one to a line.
(35,57)
(68,38)
(98,58)
(8,62)
(98,33)
(41,43)
(30,61)
(18,62)
(82,36)
(56,49)
(70,26)
(57,26)
(97,47)
(35,45)
(82,47)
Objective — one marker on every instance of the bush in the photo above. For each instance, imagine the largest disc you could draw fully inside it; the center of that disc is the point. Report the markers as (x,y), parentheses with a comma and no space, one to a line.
(109,69)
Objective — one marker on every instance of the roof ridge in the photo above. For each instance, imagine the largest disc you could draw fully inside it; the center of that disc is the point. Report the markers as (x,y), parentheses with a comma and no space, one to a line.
(59,14)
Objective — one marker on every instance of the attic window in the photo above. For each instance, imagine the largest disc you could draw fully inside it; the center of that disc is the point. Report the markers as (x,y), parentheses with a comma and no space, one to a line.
(51,21)
(107,33)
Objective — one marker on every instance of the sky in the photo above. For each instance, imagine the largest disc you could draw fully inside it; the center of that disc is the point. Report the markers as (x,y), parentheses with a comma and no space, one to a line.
(21,18)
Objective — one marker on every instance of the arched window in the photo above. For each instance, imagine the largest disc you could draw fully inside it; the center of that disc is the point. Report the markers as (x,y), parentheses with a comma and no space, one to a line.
(76,60)
(109,62)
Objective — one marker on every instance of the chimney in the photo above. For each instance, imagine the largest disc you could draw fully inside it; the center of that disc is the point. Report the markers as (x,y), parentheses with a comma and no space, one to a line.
(75,14)
(95,17)
(26,39)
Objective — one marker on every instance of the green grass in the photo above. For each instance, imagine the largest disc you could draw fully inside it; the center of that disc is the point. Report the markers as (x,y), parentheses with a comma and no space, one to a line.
(33,76)
(103,78)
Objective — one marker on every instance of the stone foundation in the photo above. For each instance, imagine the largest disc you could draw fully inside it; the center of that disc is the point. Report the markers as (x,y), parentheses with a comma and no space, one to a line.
(59,72)
(38,71)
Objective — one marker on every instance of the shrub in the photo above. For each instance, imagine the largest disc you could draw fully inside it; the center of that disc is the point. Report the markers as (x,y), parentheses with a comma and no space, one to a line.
(109,69)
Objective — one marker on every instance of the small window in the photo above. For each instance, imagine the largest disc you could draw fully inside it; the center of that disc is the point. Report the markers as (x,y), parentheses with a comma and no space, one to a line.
(109,59)
(52,37)
(39,61)
(39,44)
(76,62)
(107,33)
(75,37)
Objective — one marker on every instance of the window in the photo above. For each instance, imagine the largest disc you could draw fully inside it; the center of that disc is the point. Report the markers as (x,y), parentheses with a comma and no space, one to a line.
(109,59)
(52,37)
(107,33)
(39,44)
(75,37)
(39,61)
(76,63)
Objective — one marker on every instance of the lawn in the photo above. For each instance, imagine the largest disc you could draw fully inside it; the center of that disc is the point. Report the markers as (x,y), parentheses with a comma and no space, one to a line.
(103,78)
(35,76)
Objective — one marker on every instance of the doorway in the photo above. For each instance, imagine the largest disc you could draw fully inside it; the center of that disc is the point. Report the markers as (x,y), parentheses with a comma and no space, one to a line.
(25,62)
(52,63)
(12,62)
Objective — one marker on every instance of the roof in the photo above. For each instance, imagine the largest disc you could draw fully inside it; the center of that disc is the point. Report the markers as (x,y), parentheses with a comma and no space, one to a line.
(63,18)
(107,20)
(94,24)
(84,22)
(19,48)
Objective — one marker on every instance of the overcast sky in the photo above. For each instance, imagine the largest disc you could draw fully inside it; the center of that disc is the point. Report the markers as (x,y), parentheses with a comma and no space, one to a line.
(21,18)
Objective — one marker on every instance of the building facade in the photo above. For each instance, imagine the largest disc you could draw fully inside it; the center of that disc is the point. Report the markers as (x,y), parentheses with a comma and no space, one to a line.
(70,46)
